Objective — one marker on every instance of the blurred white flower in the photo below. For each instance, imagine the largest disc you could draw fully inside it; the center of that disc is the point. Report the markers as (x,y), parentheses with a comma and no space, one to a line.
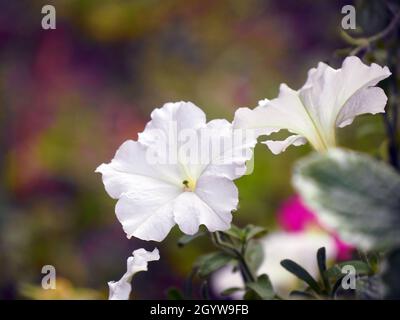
(120,290)
(330,98)
(180,171)
(300,247)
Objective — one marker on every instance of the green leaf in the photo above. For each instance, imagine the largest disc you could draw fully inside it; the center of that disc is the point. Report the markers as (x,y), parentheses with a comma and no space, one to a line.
(262,288)
(230,291)
(301,273)
(252,232)
(209,263)
(254,255)
(185,239)
(251,295)
(301,295)
(321,259)
(235,232)
(174,294)
(353,194)
(335,272)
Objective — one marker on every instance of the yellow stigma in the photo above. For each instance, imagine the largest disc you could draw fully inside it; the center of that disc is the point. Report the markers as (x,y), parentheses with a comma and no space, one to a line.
(189,185)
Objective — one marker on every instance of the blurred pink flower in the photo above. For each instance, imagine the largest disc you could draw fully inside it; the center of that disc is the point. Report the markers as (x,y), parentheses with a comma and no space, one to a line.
(294,216)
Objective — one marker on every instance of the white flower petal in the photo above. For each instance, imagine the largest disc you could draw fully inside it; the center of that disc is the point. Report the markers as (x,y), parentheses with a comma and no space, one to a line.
(156,192)
(231,148)
(145,192)
(327,92)
(328,99)
(120,290)
(284,112)
(368,100)
(147,214)
(140,258)
(185,115)
(211,204)
(130,169)
(220,194)
(249,119)
(169,127)
(178,132)
(277,147)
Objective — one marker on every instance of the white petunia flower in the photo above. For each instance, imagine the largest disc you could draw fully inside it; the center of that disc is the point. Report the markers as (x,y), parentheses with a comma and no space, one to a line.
(330,98)
(180,171)
(300,247)
(120,290)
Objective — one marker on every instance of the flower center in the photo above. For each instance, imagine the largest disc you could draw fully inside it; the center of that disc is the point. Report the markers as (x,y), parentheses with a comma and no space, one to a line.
(189,185)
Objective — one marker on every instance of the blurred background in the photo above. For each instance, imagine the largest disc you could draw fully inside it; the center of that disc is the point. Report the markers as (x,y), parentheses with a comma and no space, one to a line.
(69,97)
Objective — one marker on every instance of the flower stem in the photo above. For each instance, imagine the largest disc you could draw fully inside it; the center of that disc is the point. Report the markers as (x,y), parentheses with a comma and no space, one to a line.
(364,43)
(245,271)
(240,255)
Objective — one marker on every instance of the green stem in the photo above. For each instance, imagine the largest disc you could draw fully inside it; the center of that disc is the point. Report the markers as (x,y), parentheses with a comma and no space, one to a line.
(363,43)
(245,270)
